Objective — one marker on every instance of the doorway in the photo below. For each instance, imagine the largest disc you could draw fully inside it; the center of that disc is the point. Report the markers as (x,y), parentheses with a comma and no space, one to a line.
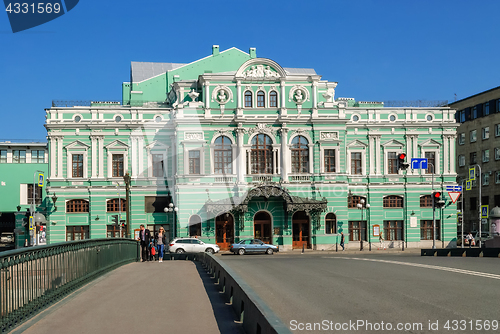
(224,229)
(301,230)
(262,227)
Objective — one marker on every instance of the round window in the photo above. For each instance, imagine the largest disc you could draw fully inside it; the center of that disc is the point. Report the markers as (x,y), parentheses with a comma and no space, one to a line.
(78,119)
(429,117)
(355,118)
(158,119)
(392,118)
(118,119)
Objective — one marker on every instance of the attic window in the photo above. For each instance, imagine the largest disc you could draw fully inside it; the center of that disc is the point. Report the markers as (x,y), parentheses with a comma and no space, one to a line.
(77,119)
(118,119)
(158,119)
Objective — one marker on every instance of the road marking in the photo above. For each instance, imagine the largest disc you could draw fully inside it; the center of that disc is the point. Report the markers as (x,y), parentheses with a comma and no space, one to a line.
(455,270)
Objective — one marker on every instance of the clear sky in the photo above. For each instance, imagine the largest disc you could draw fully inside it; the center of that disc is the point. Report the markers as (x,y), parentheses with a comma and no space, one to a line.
(376,50)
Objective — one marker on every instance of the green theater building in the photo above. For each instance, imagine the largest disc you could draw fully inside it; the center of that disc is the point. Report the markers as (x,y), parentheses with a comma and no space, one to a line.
(234,146)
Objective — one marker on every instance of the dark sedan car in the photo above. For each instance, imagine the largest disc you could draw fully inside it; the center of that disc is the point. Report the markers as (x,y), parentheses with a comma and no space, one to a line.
(252,246)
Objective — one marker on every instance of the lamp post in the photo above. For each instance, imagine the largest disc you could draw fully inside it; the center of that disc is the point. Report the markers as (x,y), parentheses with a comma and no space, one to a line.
(361,205)
(171,208)
(127,178)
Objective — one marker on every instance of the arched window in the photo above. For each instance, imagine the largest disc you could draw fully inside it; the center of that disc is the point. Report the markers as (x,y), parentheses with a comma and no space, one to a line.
(77,205)
(300,155)
(248,99)
(273,99)
(262,155)
(261,99)
(426,201)
(393,202)
(353,201)
(116,205)
(330,223)
(194,225)
(223,156)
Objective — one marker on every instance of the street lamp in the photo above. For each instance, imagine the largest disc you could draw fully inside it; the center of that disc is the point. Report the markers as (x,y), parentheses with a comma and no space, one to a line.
(127,178)
(171,208)
(54,200)
(361,205)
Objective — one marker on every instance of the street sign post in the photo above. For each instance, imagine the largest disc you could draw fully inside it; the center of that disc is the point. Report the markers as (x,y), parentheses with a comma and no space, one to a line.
(419,163)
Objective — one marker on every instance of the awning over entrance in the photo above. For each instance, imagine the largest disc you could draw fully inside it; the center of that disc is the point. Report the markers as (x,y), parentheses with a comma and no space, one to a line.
(292,203)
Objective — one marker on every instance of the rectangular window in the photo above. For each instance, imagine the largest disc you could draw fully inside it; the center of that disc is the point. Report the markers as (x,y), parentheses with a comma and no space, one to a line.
(77,233)
(426,201)
(427,230)
(474,113)
(486,132)
(486,180)
(486,109)
(117,165)
(462,116)
(77,163)
(158,165)
(392,163)
(497,130)
(473,158)
(194,162)
(461,138)
(329,161)
(486,155)
(497,153)
(38,194)
(472,136)
(273,99)
(357,230)
(485,200)
(19,156)
(431,159)
(461,160)
(154,204)
(393,230)
(113,231)
(38,157)
(473,203)
(356,163)
(3,156)
(497,177)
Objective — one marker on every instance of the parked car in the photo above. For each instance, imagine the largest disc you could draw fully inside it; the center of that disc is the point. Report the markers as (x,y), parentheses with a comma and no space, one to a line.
(252,246)
(191,245)
(7,237)
(484,236)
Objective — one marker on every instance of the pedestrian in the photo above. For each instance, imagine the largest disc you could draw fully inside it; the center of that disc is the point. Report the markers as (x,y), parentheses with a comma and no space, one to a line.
(381,239)
(161,241)
(470,239)
(342,240)
(144,236)
(152,249)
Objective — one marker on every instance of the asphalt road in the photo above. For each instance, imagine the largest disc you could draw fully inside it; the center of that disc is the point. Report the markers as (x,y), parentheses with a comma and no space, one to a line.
(336,290)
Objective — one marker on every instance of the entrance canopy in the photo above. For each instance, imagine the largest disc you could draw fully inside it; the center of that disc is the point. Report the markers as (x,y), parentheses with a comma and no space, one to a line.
(291,203)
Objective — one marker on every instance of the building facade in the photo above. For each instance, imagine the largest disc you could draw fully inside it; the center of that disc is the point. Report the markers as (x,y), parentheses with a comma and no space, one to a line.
(242,147)
(20,166)
(478,144)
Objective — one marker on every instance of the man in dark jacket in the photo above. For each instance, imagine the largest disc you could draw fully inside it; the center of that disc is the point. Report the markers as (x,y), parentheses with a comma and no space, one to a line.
(144,236)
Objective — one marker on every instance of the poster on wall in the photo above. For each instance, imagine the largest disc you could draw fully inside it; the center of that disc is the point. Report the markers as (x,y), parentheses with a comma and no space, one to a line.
(376,230)
(41,235)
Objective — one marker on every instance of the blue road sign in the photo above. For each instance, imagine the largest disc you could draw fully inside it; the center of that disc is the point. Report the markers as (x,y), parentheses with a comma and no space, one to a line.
(453,188)
(484,211)
(40,180)
(419,163)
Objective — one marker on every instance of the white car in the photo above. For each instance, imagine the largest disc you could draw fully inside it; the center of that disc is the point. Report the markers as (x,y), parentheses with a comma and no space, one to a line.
(7,237)
(191,245)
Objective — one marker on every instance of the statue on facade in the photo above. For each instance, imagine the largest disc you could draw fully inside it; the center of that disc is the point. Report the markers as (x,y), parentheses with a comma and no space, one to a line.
(298,96)
(222,97)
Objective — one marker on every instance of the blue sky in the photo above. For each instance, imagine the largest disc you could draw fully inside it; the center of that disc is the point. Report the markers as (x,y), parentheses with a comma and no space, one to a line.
(376,50)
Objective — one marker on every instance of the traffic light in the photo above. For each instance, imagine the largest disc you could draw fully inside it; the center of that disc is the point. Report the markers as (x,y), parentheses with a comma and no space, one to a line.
(436,198)
(114,219)
(123,225)
(401,161)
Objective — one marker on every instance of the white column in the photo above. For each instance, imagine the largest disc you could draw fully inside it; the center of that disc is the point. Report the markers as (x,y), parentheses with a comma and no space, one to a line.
(408,154)
(238,93)
(377,156)
(452,154)
(446,155)
(284,155)
(60,157)
(134,156)
(371,143)
(53,163)
(94,156)
(140,148)
(241,155)
(100,144)
(207,95)
(282,99)
(314,94)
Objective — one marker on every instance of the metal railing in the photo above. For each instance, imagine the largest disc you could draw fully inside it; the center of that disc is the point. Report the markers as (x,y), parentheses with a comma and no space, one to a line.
(33,278)
(124,103)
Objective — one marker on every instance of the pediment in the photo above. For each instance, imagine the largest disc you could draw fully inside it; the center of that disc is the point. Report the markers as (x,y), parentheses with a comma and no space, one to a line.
(430,143)
(157,146)
(77,144)
(117,144)
(261,69)
(393,143)
(357,143)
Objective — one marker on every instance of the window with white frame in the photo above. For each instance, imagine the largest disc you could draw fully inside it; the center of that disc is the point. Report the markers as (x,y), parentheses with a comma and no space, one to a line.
(472,136)
(117,165)
(486,179)
(497,177)
(486,132)
(461,138)
(158,165)
(261,99)
(392,163)
(329,160)
(77,165)
(223,155)
(273,99)
(300,154)
(461,160)
(486,155)
(19,156)
(38,156)
(194,162)
(248,99)
(356,163)
(3,156)
(497,153)
(431,162)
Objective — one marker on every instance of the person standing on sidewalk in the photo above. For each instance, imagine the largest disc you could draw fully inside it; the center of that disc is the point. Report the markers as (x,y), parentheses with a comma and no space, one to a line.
(342,240)
(161,241)
(144,236)
(381,239)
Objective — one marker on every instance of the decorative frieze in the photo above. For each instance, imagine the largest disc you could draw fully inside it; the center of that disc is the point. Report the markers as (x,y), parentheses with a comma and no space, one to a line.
(193,135)
(328,135)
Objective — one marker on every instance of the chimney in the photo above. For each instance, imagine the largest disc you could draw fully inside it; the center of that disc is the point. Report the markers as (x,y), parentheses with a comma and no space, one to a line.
(253,53)
(215,50)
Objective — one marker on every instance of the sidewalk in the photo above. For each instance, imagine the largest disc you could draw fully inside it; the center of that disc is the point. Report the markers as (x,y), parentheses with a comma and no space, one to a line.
(142,297)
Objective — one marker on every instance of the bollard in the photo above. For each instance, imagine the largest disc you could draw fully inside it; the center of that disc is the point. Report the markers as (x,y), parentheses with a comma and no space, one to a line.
(302,248)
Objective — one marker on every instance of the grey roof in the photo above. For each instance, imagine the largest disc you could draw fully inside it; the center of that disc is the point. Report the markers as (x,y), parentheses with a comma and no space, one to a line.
(141,71)
(304,71)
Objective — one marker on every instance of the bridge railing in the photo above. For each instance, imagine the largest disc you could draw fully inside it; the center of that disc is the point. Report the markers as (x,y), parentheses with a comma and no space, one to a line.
(33,278)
